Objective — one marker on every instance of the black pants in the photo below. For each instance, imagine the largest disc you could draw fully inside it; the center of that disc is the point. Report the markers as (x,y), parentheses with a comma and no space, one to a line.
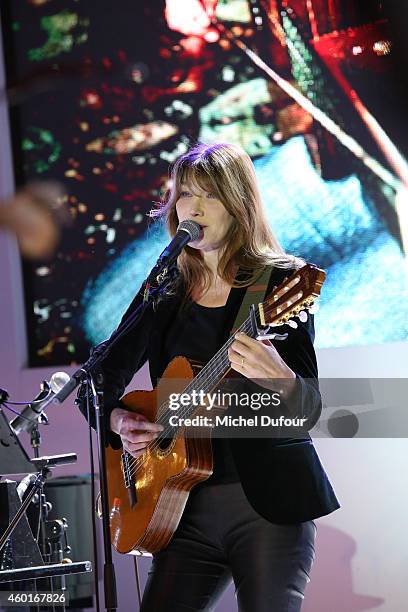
(221,537)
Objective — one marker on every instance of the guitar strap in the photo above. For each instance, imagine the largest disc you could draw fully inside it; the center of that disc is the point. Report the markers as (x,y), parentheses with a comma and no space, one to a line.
(254,295)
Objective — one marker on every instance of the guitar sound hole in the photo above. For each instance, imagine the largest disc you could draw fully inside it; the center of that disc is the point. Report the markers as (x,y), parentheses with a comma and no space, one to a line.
(165,443)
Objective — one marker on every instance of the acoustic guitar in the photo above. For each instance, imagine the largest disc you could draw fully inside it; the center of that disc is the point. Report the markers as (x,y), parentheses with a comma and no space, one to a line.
(147,494)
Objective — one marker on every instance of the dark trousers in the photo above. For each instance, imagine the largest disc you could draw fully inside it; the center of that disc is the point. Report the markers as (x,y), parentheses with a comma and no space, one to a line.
(220,537)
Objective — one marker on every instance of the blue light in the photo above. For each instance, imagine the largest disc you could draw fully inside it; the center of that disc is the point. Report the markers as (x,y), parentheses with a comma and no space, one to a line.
(331,223)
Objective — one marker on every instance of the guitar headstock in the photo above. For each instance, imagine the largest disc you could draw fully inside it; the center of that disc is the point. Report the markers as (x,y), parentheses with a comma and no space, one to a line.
(298,292)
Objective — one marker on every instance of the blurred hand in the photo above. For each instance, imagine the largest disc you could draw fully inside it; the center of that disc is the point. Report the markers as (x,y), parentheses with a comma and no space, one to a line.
(35,215)
(135,430)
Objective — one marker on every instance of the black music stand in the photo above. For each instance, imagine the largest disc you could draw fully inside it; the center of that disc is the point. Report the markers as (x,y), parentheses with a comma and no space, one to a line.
(13,457)
(17,533)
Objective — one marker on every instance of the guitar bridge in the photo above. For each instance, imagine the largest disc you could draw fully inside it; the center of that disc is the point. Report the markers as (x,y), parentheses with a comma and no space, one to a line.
(129,479)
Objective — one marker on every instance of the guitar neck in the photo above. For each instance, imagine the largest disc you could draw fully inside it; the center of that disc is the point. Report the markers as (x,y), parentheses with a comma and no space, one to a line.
(297,292)
(219,366)
(208,378)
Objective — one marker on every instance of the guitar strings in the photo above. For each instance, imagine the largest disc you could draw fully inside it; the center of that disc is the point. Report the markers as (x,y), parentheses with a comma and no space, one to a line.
(207,373)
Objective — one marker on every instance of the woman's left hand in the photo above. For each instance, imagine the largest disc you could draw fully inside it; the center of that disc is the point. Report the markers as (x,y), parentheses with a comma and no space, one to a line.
(257,359)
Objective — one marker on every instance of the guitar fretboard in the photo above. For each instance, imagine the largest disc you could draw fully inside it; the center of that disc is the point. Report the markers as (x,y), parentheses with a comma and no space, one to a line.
(206,380)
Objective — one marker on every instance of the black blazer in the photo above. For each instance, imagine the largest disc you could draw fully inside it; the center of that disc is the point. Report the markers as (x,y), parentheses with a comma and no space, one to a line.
(282,478)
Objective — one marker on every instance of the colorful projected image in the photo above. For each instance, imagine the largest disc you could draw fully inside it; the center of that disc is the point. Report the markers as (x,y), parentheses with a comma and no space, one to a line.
(116,111)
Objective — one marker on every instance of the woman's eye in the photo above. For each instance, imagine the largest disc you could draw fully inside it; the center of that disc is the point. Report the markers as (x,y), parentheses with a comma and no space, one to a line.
(184,194)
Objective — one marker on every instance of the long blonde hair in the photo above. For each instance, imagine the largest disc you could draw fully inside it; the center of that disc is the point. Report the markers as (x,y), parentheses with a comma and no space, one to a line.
(228,173)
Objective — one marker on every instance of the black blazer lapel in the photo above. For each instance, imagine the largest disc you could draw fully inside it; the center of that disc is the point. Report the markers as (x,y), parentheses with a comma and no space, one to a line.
(166,311)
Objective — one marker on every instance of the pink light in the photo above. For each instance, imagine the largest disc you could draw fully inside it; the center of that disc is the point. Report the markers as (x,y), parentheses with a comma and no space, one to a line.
(193,45)
(187,17)
(210,6)
(312,19)
(211,36)
(357,50)
(92,99)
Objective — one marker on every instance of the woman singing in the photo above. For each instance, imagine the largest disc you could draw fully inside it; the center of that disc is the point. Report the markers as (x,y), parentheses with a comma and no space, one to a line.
(251,521)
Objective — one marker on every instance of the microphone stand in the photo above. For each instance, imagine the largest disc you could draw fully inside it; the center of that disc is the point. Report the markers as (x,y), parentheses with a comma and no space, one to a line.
(157,281)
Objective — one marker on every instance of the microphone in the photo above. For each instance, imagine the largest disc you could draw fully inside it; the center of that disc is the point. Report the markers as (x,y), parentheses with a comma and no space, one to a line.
(187,231)
(30,414)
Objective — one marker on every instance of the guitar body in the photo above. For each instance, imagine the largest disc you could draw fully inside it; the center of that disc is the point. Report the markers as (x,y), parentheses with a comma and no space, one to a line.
(164,479)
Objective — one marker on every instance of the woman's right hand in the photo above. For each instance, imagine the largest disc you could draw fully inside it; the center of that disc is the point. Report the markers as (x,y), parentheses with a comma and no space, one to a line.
(135,430)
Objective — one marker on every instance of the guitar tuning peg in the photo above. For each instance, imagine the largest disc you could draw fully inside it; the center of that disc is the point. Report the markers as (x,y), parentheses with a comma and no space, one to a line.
(292,323)
(272,337)
(302,316)
(314,308)
(279,336)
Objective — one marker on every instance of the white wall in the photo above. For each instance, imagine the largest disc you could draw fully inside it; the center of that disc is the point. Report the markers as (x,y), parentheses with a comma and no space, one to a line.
(364,544)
